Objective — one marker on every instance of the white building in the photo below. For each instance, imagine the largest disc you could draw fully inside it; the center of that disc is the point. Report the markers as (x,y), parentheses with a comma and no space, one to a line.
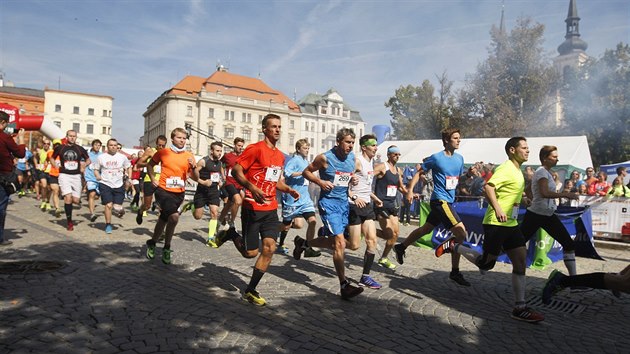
(322,116)
(89,115)
(221,107)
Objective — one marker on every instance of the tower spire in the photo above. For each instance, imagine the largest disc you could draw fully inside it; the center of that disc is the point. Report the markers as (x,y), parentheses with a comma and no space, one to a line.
(572,42)
(502,23)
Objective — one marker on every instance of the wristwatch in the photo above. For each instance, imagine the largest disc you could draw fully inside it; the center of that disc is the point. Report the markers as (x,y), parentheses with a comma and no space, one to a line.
(354,197)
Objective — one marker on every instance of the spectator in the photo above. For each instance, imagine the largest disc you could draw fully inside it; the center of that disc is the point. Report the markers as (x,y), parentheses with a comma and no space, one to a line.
(575,178)
(568,187)
(590,176)
(599,187)
(618,189)
(8,151)
(583,189)
(622,172)
(556,179)
(405,210)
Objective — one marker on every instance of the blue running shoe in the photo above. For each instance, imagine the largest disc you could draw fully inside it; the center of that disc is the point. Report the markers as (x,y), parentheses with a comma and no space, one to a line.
(368,282)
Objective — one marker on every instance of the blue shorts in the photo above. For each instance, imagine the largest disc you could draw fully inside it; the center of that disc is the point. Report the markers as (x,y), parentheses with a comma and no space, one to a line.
(112,195)
(92,186)
(290,212)
(334,215)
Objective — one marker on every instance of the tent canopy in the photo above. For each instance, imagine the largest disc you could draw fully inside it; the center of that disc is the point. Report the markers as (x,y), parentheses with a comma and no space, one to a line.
(573,151)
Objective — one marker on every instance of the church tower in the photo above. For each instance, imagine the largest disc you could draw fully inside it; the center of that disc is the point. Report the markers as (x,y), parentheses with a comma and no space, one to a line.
(572,50)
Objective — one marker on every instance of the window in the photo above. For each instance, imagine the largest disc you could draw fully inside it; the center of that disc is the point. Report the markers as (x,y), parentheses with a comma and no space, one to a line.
(104,114)
(104,130)
(211,130)
(312,142)
(261,136)
(332,129)
(188,111)
(228,133)
(292,124)
(90,111)
(291,140)
(323,144)
(312,128)
(323,128)
(89,129)
(210,112)
(324,110)
(110,113)
(75,110)
(57,123)
(249,117)
(345,114)
(260,118)
(246,117)
(247,134)
(306,126)
(57,108)
(76,127)
(109,130)
(229,115)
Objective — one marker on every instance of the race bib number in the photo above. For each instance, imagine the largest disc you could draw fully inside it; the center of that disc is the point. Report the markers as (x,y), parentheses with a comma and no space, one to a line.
(229,172)
(272,174)
(174,182)
(514,212)
(342,179)
(71,165)
(215,177)
(451,182)
(391,190)
(369,178)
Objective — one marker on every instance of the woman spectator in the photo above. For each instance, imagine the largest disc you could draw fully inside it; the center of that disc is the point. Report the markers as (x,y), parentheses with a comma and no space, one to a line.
(618,189)
(568,187)
(575,178)
(600,187)
(559,184)
(583,189)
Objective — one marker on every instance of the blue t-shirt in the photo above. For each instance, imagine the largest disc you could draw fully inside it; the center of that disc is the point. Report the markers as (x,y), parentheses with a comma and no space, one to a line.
(296,164)
(21,162)
(89,171)
(339,173)
(446,172)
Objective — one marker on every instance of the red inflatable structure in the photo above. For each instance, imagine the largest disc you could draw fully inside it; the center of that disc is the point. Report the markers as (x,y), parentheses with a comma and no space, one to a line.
(30,122)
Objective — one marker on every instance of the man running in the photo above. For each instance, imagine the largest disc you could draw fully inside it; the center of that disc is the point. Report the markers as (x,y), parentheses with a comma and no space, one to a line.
(617,282)
(70,156)
(259,170)
(295,211)
(361,214)
(177,164)
(232,189)
(110,169)
(148,187)
(335,168)
(41,161)
(446,167)
(91,182)
(209,173)
(387,183)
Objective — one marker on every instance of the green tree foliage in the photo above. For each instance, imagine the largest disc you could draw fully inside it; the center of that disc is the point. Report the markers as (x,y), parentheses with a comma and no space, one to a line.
(509,93)
(597,104)
(418,112)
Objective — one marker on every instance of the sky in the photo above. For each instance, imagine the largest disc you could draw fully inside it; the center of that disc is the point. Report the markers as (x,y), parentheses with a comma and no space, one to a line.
(134,50)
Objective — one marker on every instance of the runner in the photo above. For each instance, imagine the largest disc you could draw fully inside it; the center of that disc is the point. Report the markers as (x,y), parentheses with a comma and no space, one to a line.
(232,189)
(110,169)
(209,173)
(259,170)
(361,215)
(23,170)
(295,211)
(540,213)
(617,282)
(177,164)
(91,182)
(42,165)
(388,182)
(446,167)
(70,158)
(335,173)
(148,187)
(52,174)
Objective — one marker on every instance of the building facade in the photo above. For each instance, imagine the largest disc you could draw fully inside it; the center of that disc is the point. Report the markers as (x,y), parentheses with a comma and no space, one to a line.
(88,114)
(220,107)
(28,101)
(322,116)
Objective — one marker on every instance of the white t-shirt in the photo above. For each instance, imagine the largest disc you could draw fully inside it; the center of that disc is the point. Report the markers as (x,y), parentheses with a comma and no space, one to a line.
(112,168)
(541,205)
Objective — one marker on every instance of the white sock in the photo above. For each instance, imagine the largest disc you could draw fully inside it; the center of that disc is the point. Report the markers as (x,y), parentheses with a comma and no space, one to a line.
(569,262)
(468,253)
(518,286)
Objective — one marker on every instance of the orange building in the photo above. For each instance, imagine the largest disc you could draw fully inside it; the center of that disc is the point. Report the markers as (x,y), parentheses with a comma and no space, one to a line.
(29,102)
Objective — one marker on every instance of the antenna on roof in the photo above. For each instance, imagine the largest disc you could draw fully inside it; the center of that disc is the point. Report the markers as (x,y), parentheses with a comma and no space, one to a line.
(221,67)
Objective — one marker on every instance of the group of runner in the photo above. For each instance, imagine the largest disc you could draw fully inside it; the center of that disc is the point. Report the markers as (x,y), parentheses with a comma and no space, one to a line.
(355,193)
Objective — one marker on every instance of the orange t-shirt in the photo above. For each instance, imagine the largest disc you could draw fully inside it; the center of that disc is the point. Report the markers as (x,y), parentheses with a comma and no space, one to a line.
(52,170)
(262,167)
(175,168)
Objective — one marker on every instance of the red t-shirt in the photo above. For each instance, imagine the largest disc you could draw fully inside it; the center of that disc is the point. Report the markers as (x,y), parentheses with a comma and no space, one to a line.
(229,160)
(262,167)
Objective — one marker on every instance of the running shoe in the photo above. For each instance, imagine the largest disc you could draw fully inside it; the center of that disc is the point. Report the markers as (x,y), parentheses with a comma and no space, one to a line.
(108,228)
(166,255)
(445,247)
(153,206)
(368,282)
(70,225)
(139,217)
(134,208)
(299,247)
(43,206)
(349,291)
(118,212)
(528,315)
(212,242)
(93,217)
(384,262)
(399,251)
(226,235)
(283,250)
(310,252)
(150,249)
(58,212)
(6,243)
(48,207)
(253,297)
(552,286)
(187,206)
(459,279)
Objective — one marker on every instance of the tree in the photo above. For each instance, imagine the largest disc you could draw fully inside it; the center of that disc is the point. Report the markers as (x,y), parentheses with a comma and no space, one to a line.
(597,104)
(418,113)
(509,93)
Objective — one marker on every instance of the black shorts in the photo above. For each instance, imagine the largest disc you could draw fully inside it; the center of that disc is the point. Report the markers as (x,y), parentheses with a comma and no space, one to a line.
(111,195)
(388,209)
(357,215)
(169,202)
(442,212)
(551,224)
(39,174)
(230,190)
(53,179)
(258,225)
(148,189)
(499,238)
(206,196)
